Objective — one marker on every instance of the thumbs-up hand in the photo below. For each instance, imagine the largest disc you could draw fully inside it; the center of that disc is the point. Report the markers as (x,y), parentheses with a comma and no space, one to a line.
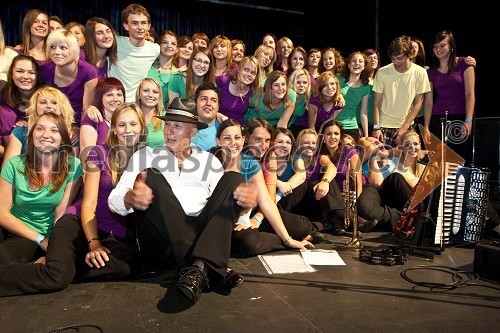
(141,196)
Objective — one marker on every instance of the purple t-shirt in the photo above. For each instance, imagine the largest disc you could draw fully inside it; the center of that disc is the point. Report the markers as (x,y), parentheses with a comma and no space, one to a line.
(106,220)
(449,90)
(74,91)
(342,165)
(232,106)
(102,129)
(8,119)
(322,113)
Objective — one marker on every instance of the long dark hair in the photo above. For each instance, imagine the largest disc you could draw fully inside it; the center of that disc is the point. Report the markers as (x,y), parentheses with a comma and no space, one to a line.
(12,95)
(324,148)
(452,59)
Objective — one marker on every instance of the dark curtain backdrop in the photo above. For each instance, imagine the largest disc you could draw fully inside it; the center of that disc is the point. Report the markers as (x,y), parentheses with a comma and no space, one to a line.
(345,25)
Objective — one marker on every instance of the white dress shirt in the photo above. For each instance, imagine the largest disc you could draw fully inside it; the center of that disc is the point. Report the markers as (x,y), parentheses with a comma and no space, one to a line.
(192,184)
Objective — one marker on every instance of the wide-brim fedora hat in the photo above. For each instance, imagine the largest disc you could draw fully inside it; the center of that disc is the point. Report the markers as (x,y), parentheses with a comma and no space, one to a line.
(183,110)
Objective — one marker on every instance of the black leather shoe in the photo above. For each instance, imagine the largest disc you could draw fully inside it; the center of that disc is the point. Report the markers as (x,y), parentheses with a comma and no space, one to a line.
(230,281)
(192,281)
(366,225)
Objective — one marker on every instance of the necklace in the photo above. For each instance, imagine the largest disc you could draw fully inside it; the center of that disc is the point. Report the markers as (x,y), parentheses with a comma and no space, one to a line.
(166,68)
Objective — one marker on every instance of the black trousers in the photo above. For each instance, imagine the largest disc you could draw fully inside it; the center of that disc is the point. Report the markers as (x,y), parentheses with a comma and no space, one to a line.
(370,207)
(15,249)
(206,236)
(65,262)
(395,191)
(329,209)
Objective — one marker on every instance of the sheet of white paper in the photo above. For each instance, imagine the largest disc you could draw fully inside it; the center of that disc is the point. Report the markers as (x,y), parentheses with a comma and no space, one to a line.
(284,264)
(322,257)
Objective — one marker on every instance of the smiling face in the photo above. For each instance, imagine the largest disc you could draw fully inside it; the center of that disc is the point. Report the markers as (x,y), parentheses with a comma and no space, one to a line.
(232,139)
(137,26)
(40,27)
(297,60)
(308,145)
(279,88)
(24,75)
(238,52)
(46,104)
(128,128)
(330,88)
(247,72)
(80,37)
(328,59)
(60,54)
(178,136)
(186,51)
(356,64)
(112,99)
(282,145)
(332,136)
(103,36)
(46,136)
(149,94)
(207,106)
(201,64)
(269,41)
(411,145)
(220,51)
(168,45)
(259,140)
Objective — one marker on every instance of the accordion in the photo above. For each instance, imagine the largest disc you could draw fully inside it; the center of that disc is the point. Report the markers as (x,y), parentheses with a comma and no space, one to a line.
(462,206)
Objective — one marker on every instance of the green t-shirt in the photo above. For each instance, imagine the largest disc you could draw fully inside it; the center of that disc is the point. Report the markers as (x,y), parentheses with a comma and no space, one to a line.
(177,85)
(353,97)
(163,79)
(155,138)
(36,208)
(261,110)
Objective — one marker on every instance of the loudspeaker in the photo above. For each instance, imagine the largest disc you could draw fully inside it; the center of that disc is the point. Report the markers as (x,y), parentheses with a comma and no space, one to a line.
(486,153)
(487,260)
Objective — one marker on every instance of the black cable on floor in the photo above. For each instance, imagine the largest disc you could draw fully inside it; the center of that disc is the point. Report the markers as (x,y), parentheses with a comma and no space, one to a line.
(76,328)
(459,278)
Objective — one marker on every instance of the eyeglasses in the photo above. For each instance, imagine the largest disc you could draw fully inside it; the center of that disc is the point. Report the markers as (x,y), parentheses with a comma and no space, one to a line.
(169,43)
(283,142)
(201,62)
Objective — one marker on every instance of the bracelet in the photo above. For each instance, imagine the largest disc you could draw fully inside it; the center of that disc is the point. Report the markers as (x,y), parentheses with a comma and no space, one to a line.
(92,239)
(39,239)
(376,127)
(288,240)
(258,218)
(468,120)
(326,180)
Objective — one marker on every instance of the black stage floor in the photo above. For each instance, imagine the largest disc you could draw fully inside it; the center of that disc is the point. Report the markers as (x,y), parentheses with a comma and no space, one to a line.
(357,297)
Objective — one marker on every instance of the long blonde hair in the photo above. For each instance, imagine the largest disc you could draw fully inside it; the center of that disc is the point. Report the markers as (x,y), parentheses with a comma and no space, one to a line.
(114,144)
(158,109)
(67,112)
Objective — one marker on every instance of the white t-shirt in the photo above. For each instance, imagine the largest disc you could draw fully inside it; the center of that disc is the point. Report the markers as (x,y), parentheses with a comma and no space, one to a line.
(133,64)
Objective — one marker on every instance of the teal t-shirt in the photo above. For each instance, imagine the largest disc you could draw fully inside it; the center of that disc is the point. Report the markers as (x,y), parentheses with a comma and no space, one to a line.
(353,97)
(205,138)
(289,170)
(177,85)
(248,166)
(260,109)
(36,208)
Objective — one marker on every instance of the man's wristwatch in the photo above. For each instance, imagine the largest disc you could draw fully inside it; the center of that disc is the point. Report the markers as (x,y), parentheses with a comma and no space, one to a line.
(376,127)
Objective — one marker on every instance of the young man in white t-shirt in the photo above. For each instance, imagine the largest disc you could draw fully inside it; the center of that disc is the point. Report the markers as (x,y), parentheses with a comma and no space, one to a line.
(135,53)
